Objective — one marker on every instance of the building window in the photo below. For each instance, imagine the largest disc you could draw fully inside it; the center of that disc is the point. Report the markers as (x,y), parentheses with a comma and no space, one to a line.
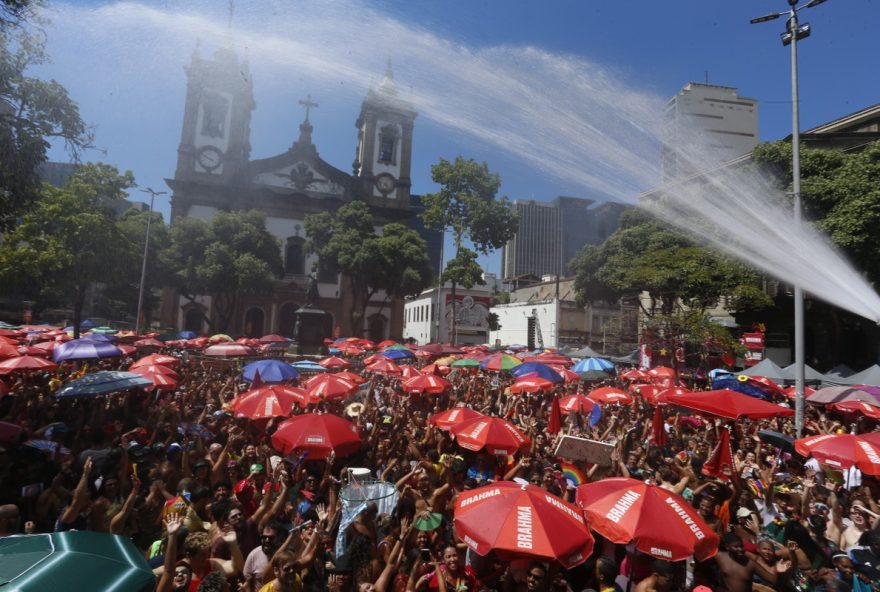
(327,276)
(214,110)
(387,142)
(294,258)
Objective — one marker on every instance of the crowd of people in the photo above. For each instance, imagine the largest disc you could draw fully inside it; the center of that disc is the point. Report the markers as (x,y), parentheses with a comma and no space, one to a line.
(214,506)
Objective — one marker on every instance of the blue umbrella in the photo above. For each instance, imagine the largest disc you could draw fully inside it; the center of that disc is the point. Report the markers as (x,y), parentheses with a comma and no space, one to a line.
(588,364)
(99,337)
(537,369)
(398,354)
(307,366)
(187,335)
(99,383)
(84,349)
(270,371)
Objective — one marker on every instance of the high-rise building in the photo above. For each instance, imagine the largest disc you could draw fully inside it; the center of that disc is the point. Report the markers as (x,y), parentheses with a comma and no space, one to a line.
(706,125)
(552,233)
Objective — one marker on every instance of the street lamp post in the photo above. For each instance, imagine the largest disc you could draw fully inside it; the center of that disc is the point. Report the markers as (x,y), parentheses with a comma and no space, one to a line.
(140,308)
(794,33)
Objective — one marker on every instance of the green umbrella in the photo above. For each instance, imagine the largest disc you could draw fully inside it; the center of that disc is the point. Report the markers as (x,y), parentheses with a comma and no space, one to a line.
(74,561)
(465,363)
(105,330)
(396,346)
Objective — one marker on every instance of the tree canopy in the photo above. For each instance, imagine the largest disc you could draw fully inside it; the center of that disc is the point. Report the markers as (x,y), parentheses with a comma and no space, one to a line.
(33,112)
(69,238)
(230,256)
(394,260)
(646,255)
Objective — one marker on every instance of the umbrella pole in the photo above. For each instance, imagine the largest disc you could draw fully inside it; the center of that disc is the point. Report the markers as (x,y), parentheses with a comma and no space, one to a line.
(630,570)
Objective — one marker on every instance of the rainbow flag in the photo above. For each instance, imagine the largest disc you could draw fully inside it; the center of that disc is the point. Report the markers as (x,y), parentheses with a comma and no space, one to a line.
(573,474)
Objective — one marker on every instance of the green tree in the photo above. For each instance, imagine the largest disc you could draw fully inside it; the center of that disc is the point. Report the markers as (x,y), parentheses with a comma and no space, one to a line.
(123,295)
(645,255)
(394,261)
(840,192)
(69,239)
(33,113)
(467,206)
(230,256)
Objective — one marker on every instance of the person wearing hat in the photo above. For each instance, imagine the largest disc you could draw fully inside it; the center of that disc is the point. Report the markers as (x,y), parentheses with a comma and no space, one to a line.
(249,490)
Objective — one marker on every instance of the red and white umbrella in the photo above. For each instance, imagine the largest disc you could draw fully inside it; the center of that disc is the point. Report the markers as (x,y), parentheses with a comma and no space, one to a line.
(334,363)
(319,434)
(351,377)
(8,350)
(791,391)
(407,371)
(531,384)
(608,395)
(148,342)
(659,522)
(494,435)
(26,364)
(383,365)
(576,403)
(842,451)
(661,396)
(522,521)
(153,359)
(866,409)
(729,404)
(161,380)
(269,401)
(329,386)
(272,338)
(430,384)
(635,374)
(446,420)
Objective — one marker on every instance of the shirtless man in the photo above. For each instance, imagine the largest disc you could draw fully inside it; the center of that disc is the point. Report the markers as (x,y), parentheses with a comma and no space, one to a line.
(737,570)
(660,580)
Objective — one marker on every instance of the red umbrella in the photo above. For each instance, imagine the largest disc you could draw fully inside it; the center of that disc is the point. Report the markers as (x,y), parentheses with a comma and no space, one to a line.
(842,451)
(435,369)
(334,363)
(407,372)
(566,374)
(438,349)
(269,401)
(661,523)
(149,342)
(154,359)
(729,404)
(318,434)
(383,366)
(522,521)
(661,396)
(155,369)
(531,384)
(45,346)
(547,358)
(161,380)
(492,434)
(351,377)
(576,403)
(126,350)
(329,386)
(446,420)
(427,384)
(865,409)
(26,364)
(791,391)
(608,395)
(4,390)
(272,338)
(7,350)
(30,350)
(228,350)
(658,428)
(661,372)
(635,375)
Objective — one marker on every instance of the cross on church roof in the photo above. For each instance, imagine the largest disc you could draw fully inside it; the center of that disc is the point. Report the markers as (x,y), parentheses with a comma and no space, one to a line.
(308,103)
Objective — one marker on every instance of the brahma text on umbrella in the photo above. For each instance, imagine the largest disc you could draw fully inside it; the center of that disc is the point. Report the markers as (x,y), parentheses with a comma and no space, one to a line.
(523,527)
(698,532)
(622,506)
(869,452)
(479,497)
(558,504)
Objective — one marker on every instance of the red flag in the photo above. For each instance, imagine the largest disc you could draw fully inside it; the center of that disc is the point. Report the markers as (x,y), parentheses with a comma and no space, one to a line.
(720,462)
(257,381)
(555,423)
(658,428)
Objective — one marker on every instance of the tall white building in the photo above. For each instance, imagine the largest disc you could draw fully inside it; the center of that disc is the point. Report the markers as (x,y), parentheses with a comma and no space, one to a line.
(706,125)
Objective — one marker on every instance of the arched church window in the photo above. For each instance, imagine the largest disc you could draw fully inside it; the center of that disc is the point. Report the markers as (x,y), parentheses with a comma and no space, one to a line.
(294,256)
(387,141)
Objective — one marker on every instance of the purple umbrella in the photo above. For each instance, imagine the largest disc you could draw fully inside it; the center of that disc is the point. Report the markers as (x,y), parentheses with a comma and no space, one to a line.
(84,349)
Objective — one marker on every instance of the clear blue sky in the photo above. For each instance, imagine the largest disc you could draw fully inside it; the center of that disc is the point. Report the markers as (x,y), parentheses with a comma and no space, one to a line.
(123,62)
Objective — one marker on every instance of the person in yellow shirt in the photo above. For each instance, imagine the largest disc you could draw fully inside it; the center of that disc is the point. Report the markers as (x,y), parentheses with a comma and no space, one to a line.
(287,576)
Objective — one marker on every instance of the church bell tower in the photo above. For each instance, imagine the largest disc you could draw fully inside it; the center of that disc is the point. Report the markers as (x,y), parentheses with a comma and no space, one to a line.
(215,141)
(383,159)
